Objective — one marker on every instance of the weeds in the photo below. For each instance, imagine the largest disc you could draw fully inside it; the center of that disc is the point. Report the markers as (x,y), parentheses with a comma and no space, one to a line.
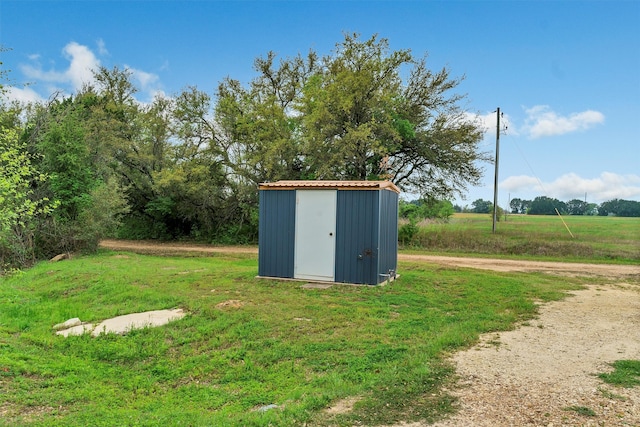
(612,396)
(626,374)
(597,238)
(581,410)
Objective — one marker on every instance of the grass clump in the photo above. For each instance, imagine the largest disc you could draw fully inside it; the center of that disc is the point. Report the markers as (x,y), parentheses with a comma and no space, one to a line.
(626,373)
(585,411)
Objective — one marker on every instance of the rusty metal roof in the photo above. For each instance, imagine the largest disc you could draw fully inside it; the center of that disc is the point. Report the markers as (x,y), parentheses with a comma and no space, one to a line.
(333,185)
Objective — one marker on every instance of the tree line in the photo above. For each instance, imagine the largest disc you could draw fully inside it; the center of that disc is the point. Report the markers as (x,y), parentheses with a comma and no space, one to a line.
(547,206)
(98,162)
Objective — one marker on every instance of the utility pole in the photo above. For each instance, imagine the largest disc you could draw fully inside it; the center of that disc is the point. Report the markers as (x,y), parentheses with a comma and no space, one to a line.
(495,181)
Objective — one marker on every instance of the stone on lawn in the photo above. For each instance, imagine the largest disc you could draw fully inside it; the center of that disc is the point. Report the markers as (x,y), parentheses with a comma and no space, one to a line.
(68,324)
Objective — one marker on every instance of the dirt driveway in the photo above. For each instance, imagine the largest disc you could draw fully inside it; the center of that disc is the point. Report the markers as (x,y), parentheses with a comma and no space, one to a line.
(544,372)
(609,270)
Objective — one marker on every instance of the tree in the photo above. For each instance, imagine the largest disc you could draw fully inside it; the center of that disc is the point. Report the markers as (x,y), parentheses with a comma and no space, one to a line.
(618,207)
(543,205)
(259,126)
(190,165)
(350,115)
(79,140)
(628,208)
(362,121)
(481,206)
(65,156)
(577,207)
(20,209)
(213,145)
(516,205)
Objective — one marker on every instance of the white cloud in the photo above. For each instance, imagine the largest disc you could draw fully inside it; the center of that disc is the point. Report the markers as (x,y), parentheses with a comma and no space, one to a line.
(22,95)
(82,64)
(541,121)
(102,48)
(146,80)
(570,186)
(490,123)
(521,182)
(148,83)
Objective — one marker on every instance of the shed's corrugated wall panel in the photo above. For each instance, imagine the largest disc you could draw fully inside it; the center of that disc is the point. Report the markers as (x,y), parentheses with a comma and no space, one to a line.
(357,237)
(388,231)
(276,233)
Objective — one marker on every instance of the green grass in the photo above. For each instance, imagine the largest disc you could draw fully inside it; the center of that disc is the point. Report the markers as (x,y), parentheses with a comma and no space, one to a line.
(581,410)
(595,238)
(299,349)
(626,374)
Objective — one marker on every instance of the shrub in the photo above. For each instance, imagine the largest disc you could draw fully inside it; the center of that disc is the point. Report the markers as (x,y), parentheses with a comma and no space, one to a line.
(99,218)
(20,207)
(408,231)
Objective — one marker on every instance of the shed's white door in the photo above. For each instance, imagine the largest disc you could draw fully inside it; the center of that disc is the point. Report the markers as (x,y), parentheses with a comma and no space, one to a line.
(315,238)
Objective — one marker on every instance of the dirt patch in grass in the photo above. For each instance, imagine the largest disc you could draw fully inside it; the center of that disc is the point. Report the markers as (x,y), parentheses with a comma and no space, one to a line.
(343,406)
(232,303)
(26,413)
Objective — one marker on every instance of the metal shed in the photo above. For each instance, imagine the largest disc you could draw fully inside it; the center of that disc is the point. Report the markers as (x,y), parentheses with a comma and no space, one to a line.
(330,231)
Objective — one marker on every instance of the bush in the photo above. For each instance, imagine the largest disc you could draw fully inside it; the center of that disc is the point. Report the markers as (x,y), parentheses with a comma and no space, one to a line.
(408,231)
(20,207)
(429,208)
(99,218)
(102,217)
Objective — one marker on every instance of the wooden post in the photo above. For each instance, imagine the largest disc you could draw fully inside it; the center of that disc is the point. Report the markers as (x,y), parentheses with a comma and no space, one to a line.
(495,181)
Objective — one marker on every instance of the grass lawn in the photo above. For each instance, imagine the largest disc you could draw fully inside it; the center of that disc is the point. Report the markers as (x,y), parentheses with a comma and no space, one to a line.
(592,238)
(246,343)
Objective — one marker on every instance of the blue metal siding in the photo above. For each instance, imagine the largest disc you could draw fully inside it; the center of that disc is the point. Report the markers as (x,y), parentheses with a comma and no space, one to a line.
(366,234)
(388,231)
(357,219)
(276,233)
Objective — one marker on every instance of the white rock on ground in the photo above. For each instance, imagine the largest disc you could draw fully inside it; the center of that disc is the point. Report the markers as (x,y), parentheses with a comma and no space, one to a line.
(120,324)
(76,330)
(123,324)
(68,324)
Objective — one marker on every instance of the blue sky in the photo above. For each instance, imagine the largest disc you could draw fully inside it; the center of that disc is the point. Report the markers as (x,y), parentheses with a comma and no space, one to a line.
(565,74)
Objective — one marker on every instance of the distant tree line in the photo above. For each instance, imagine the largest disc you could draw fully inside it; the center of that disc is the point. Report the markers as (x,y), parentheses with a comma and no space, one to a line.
(547,206)
(99,163)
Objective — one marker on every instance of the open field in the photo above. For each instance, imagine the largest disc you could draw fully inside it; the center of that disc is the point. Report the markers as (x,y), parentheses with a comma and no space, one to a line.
(595,238)
(245,344)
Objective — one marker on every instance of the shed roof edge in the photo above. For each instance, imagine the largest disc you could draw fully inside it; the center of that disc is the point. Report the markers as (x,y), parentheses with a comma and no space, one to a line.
(341,185)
